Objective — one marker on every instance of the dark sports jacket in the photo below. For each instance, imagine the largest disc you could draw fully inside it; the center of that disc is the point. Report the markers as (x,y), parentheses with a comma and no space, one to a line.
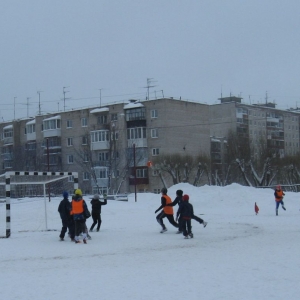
(186,210)
(96,205)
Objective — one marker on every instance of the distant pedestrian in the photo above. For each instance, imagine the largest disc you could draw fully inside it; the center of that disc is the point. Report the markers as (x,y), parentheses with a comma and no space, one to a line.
(256,208)
(167,211)
(64,209)
(96,210)
(185,214)
(279,198)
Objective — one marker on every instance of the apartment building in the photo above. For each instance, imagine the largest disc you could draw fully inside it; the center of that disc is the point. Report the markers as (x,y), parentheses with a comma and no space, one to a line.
(279,129)
(111,146)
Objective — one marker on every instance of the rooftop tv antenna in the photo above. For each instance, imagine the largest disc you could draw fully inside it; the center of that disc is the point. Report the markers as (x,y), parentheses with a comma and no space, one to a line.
(15,107)
(65,87)
(100,96)
(39,92)
(27,104)
(149,82)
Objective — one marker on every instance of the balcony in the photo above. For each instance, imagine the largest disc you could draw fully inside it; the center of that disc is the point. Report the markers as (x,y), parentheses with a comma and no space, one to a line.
(139,143)
(103,145)
(51,127)
(138,181)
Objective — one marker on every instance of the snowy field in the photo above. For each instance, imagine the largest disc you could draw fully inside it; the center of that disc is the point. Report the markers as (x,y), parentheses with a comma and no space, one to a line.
(239,255)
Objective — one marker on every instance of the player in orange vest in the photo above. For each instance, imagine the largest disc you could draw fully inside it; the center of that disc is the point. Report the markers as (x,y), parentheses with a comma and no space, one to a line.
(78,211)
(278,198)
(166,212)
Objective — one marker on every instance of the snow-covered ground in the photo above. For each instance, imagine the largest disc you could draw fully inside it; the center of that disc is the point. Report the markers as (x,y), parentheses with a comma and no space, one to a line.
(239,255)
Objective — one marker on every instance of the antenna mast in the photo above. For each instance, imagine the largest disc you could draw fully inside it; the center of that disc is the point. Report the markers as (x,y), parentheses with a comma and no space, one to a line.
(15,107)
(149,81)
(39,92)
(65,96)
(27,106)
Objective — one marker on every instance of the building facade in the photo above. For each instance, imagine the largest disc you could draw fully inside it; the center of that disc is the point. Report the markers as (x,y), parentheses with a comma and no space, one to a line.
(112,147)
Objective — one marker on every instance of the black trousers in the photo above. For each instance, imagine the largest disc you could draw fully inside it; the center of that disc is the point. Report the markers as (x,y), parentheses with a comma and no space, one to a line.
(79,227)
(67,224)
(170,218)
(197,219)
(96,220)
(186,226)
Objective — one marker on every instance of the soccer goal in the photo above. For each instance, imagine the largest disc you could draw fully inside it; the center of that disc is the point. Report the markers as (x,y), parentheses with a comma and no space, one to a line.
(33,197)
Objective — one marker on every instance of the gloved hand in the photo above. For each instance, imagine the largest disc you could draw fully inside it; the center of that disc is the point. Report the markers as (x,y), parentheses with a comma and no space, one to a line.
(156,211)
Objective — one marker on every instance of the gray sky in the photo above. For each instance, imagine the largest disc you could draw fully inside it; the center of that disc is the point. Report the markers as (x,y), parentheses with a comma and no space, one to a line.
(191,48)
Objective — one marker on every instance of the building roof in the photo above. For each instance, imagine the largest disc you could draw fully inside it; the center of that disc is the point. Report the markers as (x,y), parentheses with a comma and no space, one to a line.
(99,110)
(52,118)
(133,105)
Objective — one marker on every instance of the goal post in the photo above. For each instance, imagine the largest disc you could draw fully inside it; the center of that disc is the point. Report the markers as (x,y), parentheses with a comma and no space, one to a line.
(33,184)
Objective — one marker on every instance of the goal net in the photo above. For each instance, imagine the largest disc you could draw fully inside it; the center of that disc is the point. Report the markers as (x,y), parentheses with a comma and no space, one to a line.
(29,200)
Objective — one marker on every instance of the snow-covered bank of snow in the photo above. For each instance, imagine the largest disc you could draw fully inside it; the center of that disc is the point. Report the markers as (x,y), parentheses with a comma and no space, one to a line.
(237,256)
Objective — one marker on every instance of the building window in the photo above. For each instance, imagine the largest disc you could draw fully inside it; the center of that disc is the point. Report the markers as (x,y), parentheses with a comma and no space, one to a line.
(103,156)
(154,114)
(51,124)
(154,133)
(85,157)
(102,119)
(84,140)
(30,129)
(69,124)
(101,173)
(114,136)
(114,117)
(136,133)
(99,136)
(83,122)
(156,191)
(142,173)
(69,142)
(135,114)
(70,159)
(155,151)
(53,160)
(155,173)
(8,133)
(71,178)
(86,176)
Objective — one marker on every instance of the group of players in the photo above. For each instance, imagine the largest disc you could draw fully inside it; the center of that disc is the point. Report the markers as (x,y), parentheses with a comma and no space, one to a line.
(184,215)
(74,214)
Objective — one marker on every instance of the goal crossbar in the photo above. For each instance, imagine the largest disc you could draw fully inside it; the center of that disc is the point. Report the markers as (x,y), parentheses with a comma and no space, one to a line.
(8,184)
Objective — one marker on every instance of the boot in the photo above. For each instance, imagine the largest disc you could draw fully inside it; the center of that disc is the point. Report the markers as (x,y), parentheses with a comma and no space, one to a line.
(276,212)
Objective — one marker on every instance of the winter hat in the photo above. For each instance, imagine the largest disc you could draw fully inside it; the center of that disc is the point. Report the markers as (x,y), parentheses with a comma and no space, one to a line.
(179,193)
(78,192)
(65,194)
(164,190)
(96,196)
(185,198)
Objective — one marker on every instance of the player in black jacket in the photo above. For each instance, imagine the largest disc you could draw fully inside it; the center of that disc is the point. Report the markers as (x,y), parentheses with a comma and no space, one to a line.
(178,200)
(185,212)
(96,210)
(64,209)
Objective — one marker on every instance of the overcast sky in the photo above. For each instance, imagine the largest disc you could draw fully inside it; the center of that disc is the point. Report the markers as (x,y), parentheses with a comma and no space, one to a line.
(192,49)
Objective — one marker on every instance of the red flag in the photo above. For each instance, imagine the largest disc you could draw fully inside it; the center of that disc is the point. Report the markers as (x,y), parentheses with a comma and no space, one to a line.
(256,209)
